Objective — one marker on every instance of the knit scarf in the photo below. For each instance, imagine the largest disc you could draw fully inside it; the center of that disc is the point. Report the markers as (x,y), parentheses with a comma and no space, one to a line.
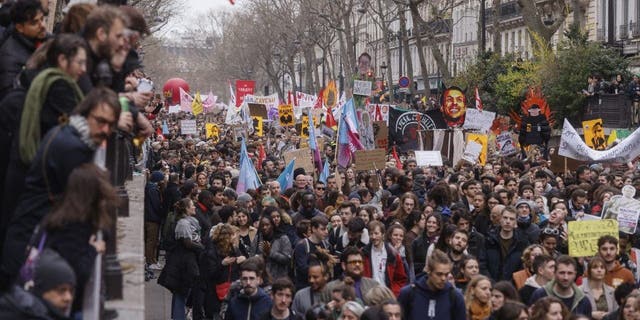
(29,134)
(80,123)
(479,311)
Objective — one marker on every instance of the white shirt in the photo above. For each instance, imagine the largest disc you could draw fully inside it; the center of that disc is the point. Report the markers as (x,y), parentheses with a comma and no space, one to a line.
(379,264)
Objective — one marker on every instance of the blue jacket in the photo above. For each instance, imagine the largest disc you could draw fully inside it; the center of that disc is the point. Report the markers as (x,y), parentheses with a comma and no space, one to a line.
(243,307)
(579,305)
(499,267)
(416,299)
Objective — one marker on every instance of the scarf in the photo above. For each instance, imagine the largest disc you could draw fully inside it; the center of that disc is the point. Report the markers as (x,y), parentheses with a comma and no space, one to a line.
(80,124)
(29,132)
(478,311)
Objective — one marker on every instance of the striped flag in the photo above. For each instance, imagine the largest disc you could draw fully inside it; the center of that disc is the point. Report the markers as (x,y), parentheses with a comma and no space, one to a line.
(478,101)
(348,139)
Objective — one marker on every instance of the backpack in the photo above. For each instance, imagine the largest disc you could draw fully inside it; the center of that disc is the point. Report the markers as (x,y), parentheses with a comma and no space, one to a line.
(452,297)
(168,241)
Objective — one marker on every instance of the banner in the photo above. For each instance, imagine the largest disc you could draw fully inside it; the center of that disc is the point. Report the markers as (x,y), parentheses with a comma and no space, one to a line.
(572,146)
(506,144)
(188,127)
(271,103)
(305,100)
(404,126)
(243,88)
(594,134)
(584,235)
(285,115)
(478,120)
(370,159)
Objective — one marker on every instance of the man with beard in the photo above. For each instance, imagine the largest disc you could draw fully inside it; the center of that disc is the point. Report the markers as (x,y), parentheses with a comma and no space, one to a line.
(281,292)
(307,208)
(353,266)
(616,273)
(457,248)
(564,288)
(319,275)
(307,246)
(64,148)
(252,302)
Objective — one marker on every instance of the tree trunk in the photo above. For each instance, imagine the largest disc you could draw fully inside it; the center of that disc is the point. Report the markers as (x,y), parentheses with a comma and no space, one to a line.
(497,29)
(533,19)
(405,44)
(420,48)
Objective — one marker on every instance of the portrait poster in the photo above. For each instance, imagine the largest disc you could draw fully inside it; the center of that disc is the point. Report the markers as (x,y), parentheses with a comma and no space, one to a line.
(594,134)
(454,107)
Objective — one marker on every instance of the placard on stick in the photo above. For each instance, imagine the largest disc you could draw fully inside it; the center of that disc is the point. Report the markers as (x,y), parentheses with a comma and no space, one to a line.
(362,88)
(428,158)
(584,235)
(370,159)
(188,127)
(258,110)
(303,159)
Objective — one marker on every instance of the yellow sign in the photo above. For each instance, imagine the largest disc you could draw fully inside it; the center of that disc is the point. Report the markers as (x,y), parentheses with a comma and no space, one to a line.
(285,115)
(212,131)
(594,134)
(196,106)
(257,125)
(304,131)
(584,235)
(481,139)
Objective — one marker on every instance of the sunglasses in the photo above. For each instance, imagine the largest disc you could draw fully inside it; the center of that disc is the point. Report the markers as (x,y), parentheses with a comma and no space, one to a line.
(321,188)
(551,231)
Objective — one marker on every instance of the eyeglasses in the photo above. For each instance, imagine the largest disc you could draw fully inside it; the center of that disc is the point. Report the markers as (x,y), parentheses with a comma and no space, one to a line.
(355,262)
(321,188)
(493,203)
(551,231)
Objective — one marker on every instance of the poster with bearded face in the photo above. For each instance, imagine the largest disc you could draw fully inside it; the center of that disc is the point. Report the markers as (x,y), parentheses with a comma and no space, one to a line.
(454,107)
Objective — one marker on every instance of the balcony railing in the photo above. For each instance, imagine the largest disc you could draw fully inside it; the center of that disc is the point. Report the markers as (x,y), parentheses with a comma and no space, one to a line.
(635,29)
(624,31)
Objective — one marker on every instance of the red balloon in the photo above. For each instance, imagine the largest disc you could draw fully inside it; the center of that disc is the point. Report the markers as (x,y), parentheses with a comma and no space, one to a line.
(171,90)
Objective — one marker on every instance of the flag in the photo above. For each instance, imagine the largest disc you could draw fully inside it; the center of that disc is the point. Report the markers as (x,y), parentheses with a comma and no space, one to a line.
(262,155)
(165,127)
(613,136)
(209,102)
(478,101)
(185,101)
(313,145)
(196,105)
(319,100)
(325,172)
(232,96)
(286,177)
(248,178)
(348,140)
(395,156)
(329,120)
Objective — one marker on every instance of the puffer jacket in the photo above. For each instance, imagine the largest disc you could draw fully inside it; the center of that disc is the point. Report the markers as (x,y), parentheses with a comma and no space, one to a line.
(503,268)
(15,51)
(18,304)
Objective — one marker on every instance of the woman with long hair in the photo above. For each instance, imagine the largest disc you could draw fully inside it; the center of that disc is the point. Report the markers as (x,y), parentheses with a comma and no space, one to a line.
(511,310)
(406,204)
(219,265)
(477,298)
(629,306)
(247,234)
(429,236)
(469,268)
(600,295)
(275,247)
(72,227)
(503,291)
(382,262)
(549,308)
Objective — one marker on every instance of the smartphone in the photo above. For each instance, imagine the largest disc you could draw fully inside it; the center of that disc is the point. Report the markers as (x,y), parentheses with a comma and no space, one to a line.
(145,85)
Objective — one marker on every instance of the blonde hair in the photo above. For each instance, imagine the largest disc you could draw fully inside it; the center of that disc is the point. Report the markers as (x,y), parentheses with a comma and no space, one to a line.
(468,294)
(378,295)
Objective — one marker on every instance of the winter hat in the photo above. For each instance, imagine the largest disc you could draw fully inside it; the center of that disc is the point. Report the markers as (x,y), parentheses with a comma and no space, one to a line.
(525,202)
(51,270)
(355,195)
(244,197)
(156,176)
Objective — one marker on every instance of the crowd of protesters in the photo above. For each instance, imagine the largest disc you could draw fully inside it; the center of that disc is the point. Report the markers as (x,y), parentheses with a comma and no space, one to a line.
(63,97)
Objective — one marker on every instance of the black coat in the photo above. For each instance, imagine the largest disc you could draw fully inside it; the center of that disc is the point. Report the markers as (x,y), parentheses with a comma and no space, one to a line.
(15,51)
(59,153)
(181,271)
(503,267)
(72,243)
(18,304)
(170,197)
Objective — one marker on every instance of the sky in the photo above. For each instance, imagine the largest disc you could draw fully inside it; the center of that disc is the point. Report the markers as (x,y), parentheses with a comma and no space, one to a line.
(197,7)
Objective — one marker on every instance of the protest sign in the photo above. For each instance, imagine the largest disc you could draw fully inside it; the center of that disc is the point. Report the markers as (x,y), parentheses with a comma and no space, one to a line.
(472,152)
(305,100)
(370,159)
(483,140)
(628,219)
(213,132)
(258,110)
(478,120)
(623,208)
(594,134)
(270,102)
(379,112)
(506,145)
(572,146)
(429,158)
(285,115)
(243,88)
(188,127)
(303,159)
(174,109)
(381,134)
(584,235)
(362,88)
(304,129)
(257,125)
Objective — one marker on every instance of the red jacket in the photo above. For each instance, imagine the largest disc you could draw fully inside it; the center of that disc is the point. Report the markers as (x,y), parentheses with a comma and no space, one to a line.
(395,277)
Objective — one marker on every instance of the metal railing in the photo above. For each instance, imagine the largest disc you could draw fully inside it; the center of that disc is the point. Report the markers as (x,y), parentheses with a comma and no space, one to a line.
(92,302)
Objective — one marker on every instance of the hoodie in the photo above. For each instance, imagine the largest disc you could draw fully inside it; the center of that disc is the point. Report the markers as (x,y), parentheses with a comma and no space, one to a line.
(418,301)
(579,304)
(617,275)
(243,307)
(530,285)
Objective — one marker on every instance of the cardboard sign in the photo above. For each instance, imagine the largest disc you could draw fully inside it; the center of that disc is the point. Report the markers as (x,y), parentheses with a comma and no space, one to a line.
(362,88)
(370,159)
(584,235)
(506,144)
(258,110)
(381,134)
(557,163)
(483,141)
(429,158)
(188,127)
(257,125)
(303,159)
(304,128)
(594,134)
(478,120)
(213,132)
(285,115)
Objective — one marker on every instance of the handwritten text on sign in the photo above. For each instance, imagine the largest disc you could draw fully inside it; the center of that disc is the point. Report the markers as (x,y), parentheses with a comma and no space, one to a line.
(370,159)
(362,88)
(188,127)
(584,235)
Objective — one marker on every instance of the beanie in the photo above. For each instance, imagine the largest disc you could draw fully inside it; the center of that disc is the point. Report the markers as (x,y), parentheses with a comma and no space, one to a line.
(51,270)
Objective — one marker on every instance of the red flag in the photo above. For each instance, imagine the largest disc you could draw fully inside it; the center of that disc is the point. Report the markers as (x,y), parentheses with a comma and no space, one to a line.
(329,120)
(289,99)
(262,155)
(395,156)
(478,101)
(232,2)
(378,114)
(318,103)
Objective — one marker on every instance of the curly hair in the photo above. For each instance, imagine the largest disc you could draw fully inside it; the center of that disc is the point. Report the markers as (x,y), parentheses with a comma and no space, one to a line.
(541,307)
(222,236)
